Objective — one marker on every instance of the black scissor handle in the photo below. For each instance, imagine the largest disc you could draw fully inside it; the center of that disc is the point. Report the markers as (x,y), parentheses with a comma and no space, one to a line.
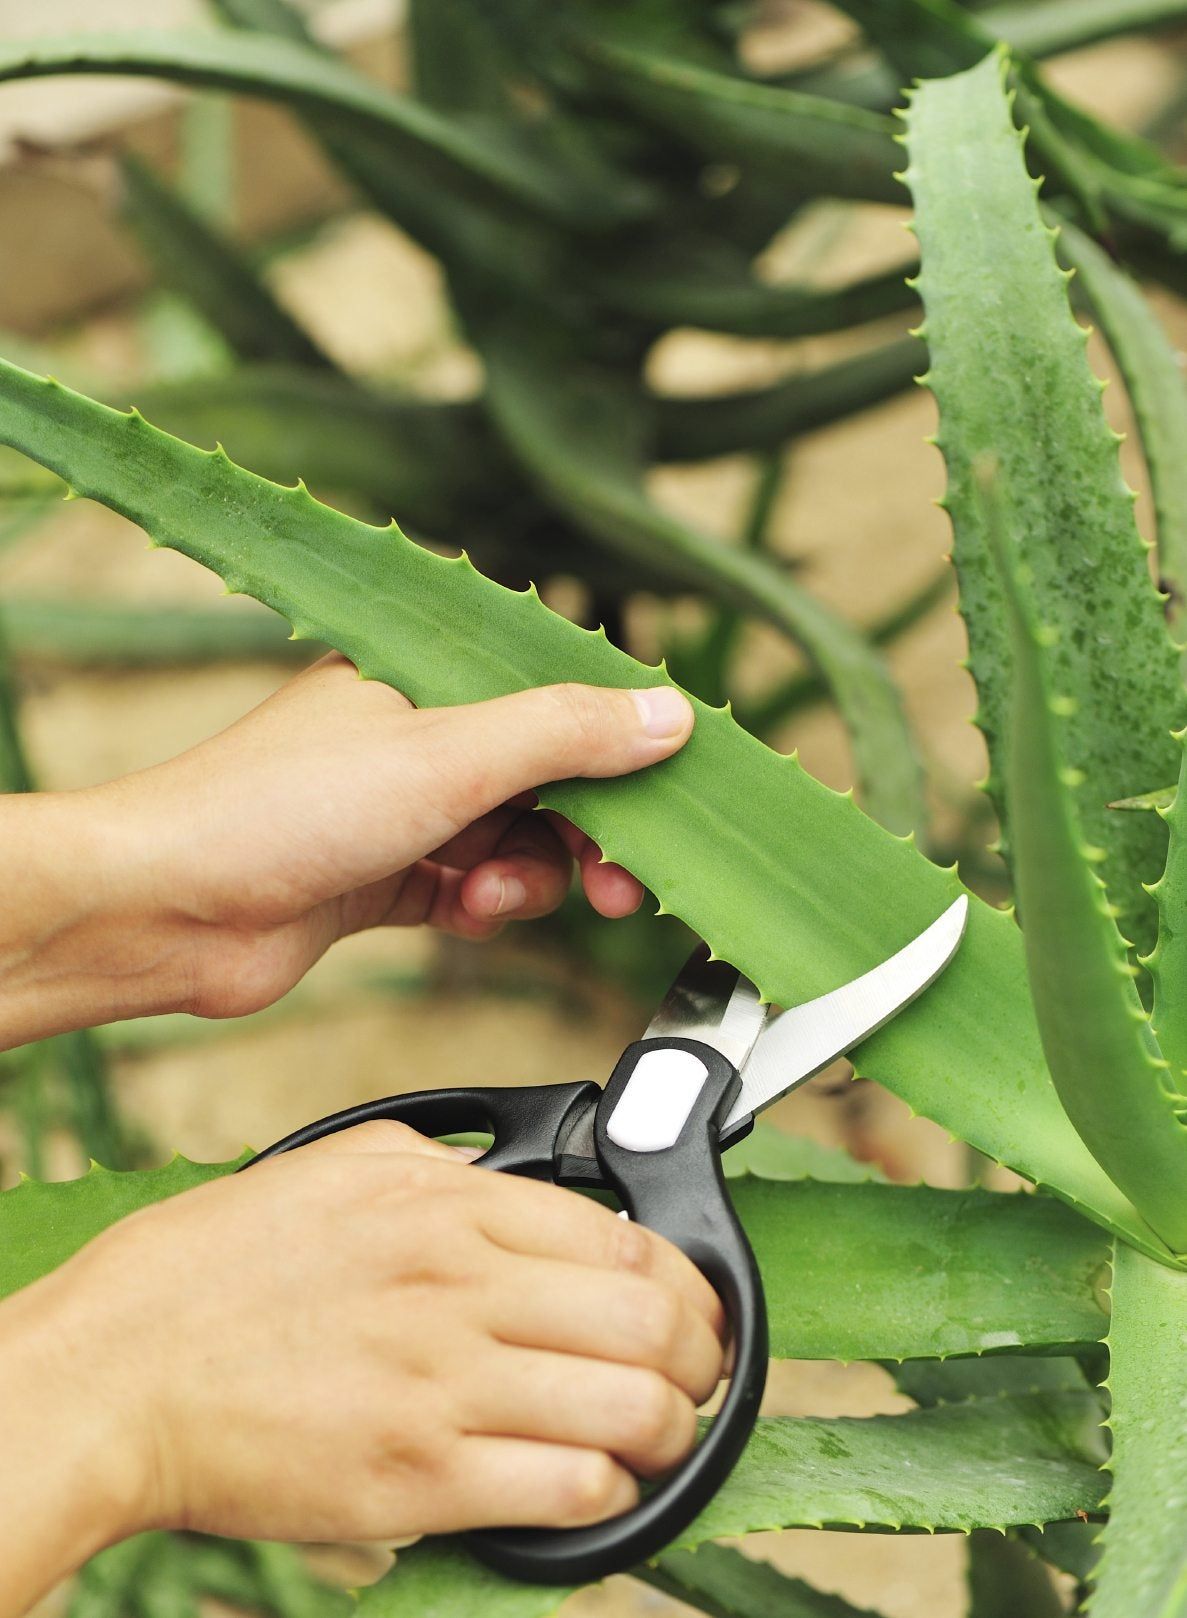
(679,1191)
(527,1121)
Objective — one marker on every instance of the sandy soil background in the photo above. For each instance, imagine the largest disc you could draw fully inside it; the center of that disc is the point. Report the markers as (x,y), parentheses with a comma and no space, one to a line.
(857,515)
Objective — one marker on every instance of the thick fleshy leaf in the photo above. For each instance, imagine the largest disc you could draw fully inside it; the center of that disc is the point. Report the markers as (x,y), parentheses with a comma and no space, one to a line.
(297,75)
(1008,1579)
(1010,375)
(43,1224)
(725,1584)
(580,430)
(438,464)
(772,1154)
(1112,1078)
(193,259)
(1143,1563)
(1156,387)
(98,633)
(1068,25)
(784,877)
(718,291)
(809,143)
(986,1461)
(1168,963)
(696,429)
(856,1272)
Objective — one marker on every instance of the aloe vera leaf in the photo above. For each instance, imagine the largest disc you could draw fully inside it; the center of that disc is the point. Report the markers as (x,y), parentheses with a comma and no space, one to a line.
(579,432)
(804,687)
(1143,1561)
(298,76)
(827,146)
(726,1584)
(1033,1458)
(725,296)
(1068,25)
(943,1382)
(194,259)
(438,464)
(1007,1578)
(1114,1082)
(696,429)
(937,1272)
(520,250)
(903,1272)
(1156,387)
(785,878)
(768,1153)
(1167,963)
(99,633)
(1012,382)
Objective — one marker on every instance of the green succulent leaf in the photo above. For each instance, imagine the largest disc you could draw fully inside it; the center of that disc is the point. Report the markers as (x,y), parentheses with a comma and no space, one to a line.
(697,429)
(825,146)
(717,290)
(784,877)
(725,1584)
(1168,962)
(1143,1565)
(1068,25)
(43,1224)
(1147,802)
(439,465)
(480,163)
(193,259)
(1007,1578)
(768,1153)
(97,633)
(1009,373)
(926,1272)
(1156,387)
(900,1272)
(1111,1076)
(579,430)
(1033,1458)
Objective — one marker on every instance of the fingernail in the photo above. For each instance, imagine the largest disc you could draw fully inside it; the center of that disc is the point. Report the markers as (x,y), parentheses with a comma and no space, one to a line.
(663,710)
(512,894)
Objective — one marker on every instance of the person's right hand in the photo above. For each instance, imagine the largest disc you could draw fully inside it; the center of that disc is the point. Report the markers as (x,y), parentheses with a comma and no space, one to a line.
(369,1339)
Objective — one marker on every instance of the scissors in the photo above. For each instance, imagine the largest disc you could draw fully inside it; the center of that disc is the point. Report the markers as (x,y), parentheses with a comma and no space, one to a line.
(712,1057)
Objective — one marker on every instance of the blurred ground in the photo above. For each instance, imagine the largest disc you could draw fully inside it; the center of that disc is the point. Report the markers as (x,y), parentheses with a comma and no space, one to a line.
(856,513)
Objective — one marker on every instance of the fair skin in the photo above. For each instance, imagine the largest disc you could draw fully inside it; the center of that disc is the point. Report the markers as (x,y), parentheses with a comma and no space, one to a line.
(369,1338)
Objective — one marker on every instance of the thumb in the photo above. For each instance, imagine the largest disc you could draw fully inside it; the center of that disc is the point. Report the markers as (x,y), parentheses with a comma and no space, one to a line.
(489,751)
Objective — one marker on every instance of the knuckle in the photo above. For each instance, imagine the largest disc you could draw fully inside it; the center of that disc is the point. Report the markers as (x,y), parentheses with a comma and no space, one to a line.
(384,1135)
(582,708)
(653,1410)
(630,1247)
(589,1488)
(658,1320)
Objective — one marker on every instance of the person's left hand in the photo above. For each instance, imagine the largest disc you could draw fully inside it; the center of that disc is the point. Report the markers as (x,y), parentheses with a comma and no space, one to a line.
(336,806)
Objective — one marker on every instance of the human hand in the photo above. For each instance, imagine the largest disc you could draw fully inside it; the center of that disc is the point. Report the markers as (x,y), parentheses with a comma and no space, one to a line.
(370,1339)
(211,883)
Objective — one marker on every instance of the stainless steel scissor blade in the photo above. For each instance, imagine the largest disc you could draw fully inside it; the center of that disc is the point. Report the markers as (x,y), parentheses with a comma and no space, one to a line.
(803,1039)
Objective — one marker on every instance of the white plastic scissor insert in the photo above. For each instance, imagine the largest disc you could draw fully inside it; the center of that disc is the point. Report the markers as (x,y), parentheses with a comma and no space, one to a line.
(658,1098)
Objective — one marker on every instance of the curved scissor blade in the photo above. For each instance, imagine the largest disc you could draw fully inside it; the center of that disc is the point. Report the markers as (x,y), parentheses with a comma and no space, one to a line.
(797,1044)
(711,1001)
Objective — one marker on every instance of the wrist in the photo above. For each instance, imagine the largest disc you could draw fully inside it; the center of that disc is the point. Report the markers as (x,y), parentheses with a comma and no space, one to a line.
(84,937)
(70,1485)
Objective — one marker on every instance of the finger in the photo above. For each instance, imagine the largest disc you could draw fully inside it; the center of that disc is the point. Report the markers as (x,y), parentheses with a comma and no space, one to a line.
(611,890)
(385,1135)
(632,1413)
(630,1319)
(474,758)
(542,1221)
(516,1483)
(528,874)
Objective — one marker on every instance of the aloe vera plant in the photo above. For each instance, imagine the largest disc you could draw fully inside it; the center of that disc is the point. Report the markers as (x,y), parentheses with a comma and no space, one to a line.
(1056,1043)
